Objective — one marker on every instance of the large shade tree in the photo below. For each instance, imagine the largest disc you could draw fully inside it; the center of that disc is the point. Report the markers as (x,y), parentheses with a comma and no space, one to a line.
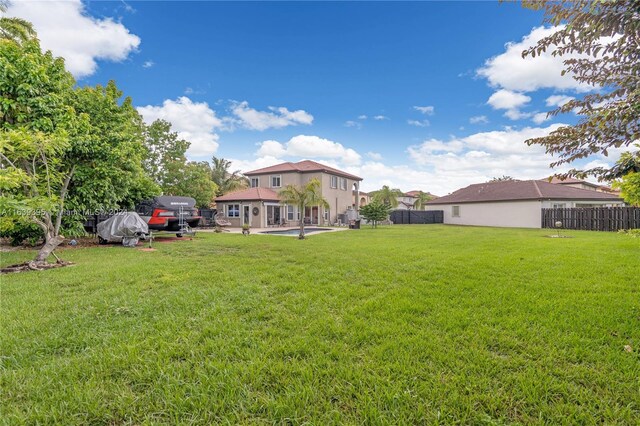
(63,151)
(166,163)
(600,43)
(307,195)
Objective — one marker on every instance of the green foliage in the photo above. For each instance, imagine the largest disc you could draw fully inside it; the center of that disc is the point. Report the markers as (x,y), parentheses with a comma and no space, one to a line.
(422,199)
(403,325)
(375,212)
(14,29)
(225,180)
(387,196)
(627,171)
(633,233)
(165,151)
(108,172)
(629,187)
(307,195)
(599,41)
(166,163)
(23,232)
(192,180)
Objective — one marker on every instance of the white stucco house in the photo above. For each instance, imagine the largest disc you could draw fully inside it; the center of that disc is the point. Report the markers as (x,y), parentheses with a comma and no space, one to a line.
(515,204)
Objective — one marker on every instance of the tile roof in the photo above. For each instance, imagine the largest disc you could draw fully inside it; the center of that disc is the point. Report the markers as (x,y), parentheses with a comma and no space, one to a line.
(250,194)
(520,190)
(305,166)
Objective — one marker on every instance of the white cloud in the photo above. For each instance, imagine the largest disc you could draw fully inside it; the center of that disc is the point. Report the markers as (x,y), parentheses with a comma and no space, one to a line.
(65,28)
(479,119)
(506,99)
(511,102)
(512,72)
(540,117)
(362,117)
(419,123)
(558,100)
(148,64)
(351,123)
(193,121)
(427,110)
(479,157)
(374,156)
(275,118)
(305,146)
(380,117)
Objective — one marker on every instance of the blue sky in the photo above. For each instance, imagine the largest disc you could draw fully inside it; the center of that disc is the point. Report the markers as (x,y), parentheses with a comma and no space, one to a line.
(416,95)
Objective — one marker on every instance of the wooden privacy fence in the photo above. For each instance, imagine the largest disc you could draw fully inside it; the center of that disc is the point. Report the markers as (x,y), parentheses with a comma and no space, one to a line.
(403,217)
(593,218)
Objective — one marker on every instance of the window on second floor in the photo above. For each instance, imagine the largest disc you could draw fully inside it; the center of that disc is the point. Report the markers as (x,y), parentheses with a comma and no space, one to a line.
(276,181)
(334,181)
(343,184)
(255,182)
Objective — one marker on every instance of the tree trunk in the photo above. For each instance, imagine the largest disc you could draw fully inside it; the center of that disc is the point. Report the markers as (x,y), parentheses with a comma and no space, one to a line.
(301,235)
(49,246)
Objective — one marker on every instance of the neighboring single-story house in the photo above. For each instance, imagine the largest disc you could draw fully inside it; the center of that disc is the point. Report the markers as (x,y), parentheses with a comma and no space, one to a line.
(514,203)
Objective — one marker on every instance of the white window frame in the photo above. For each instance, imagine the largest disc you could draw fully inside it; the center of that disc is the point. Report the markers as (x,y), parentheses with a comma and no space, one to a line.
(290,212)
(236,209)
(256,180)
(333,181)
(272,177)
(559,205)
(455,211)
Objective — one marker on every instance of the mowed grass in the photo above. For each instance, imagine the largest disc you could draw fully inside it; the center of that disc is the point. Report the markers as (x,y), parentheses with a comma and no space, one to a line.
(399,325)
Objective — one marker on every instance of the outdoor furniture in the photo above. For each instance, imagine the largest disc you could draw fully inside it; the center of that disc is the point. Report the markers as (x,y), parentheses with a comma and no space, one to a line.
(221,222)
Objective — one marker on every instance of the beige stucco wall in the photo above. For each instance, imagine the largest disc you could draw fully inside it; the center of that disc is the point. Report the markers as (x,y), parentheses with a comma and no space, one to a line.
(510,214)
(339,200)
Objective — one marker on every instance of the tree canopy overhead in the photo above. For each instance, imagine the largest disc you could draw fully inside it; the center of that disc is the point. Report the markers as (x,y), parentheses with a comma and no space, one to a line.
(600,41)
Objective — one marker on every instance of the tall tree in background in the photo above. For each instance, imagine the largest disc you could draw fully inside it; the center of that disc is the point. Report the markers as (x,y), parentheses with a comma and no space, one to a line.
(165,151)
(601,43)
(14,29)
(628,168)
(387,196)
(166,163)
(227,181)
(421,200)
(307,195)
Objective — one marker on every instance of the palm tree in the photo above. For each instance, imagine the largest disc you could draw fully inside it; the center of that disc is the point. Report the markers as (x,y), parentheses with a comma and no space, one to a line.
(308,195)
(387,196)
(421,200)
(15,29)
(226,181)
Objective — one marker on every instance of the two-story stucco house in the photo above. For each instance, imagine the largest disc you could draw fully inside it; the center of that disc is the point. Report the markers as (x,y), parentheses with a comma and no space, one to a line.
(260,206)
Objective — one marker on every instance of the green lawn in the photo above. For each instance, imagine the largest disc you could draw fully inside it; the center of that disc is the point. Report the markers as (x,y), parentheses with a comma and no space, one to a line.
(399,325)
